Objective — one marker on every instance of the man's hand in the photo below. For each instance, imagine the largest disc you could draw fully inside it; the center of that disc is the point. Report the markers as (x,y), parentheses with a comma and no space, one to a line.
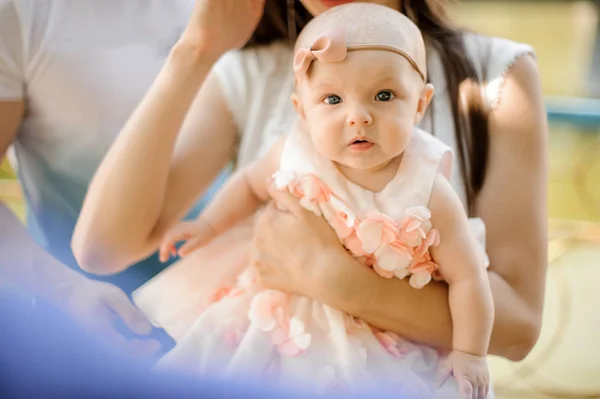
(96,307)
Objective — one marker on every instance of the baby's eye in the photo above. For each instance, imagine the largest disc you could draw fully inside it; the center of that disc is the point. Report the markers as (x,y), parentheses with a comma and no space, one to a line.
(332,99)
(384,95)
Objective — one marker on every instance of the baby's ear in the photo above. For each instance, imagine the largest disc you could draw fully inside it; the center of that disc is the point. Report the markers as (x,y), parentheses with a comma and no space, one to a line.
(298,105)
(424,101)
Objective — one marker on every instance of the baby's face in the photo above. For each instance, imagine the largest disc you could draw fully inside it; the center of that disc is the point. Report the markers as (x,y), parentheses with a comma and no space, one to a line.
(360,112)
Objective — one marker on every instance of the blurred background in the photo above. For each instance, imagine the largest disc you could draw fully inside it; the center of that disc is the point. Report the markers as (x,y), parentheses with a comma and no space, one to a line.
(566,37)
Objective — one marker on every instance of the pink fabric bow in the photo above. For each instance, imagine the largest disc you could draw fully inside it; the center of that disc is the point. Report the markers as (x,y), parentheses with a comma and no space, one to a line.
(330,47)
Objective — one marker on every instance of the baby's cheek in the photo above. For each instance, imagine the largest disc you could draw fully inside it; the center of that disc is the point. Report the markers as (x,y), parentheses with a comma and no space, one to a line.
(323,141)
(397,142)
(326,141)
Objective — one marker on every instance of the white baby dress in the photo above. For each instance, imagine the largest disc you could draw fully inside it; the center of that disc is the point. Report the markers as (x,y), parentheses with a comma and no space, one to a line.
(250,332)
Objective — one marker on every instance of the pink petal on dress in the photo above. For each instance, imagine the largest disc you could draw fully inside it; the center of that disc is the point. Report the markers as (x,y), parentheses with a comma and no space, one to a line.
(310,205)
(279,336)
(222,293)
(390,341)
(420,279)
(401,273)
(289,348)
(383,218)
(370,232)
(344,210)
(420,212)
(394,256)
(264,308)
(233,338)
(433,238)
(375,231)
(389,227)
(298,334)
(392,350)
(386,339)
(354,244)
(281,319)
(410,238)
(314,189)
(383,273)
(261,312)
(283,179)
(290,337)
(424,264)
(339,223)
(403,350)
(297,326)
(302,341)
(412,225)
(420,253)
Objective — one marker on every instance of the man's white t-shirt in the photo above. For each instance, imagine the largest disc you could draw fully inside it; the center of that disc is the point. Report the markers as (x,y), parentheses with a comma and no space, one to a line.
(81,66)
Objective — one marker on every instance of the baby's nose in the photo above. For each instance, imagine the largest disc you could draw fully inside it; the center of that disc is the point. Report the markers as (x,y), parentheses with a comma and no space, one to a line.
(359,117)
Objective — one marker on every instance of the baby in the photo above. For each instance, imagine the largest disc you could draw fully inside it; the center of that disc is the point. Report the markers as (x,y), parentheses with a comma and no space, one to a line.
(355,158)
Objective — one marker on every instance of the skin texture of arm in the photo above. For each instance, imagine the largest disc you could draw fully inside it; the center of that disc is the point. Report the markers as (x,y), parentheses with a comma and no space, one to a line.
(173,145)
(462,267)
(246,191)
(239,199)
(158,166)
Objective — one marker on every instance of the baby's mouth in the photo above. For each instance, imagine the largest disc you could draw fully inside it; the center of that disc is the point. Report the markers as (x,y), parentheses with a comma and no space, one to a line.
(360,143)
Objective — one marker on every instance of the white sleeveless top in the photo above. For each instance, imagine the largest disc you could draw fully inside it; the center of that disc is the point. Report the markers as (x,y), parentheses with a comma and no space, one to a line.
(257,84)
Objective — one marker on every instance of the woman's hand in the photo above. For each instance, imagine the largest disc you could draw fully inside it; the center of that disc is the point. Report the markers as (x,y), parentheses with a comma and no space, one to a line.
(295,250)
(217,26)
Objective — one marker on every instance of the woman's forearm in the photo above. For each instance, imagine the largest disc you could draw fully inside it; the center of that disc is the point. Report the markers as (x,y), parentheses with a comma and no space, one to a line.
(125,199)
(23,262)
(424,315)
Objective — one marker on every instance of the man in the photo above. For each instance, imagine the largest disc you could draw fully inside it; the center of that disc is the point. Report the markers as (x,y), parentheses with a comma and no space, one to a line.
(71,72)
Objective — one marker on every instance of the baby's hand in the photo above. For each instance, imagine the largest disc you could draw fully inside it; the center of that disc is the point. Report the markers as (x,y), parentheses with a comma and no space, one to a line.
(471,373)
(196,233)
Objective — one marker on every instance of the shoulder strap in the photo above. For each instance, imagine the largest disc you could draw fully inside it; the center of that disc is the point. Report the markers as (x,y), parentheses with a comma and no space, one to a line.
(425,157)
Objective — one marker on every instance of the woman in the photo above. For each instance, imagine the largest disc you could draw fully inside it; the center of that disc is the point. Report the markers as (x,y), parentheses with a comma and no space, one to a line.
(180,136)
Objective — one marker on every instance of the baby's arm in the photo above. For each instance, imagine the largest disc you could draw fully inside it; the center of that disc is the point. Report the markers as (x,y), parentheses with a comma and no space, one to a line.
(242,195)
(461,262)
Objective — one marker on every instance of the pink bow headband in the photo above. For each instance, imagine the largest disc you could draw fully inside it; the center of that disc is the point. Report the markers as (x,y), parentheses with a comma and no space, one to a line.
(331,47)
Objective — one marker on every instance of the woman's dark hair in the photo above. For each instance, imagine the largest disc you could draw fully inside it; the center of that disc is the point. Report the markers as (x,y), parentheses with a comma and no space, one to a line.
(471,124)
